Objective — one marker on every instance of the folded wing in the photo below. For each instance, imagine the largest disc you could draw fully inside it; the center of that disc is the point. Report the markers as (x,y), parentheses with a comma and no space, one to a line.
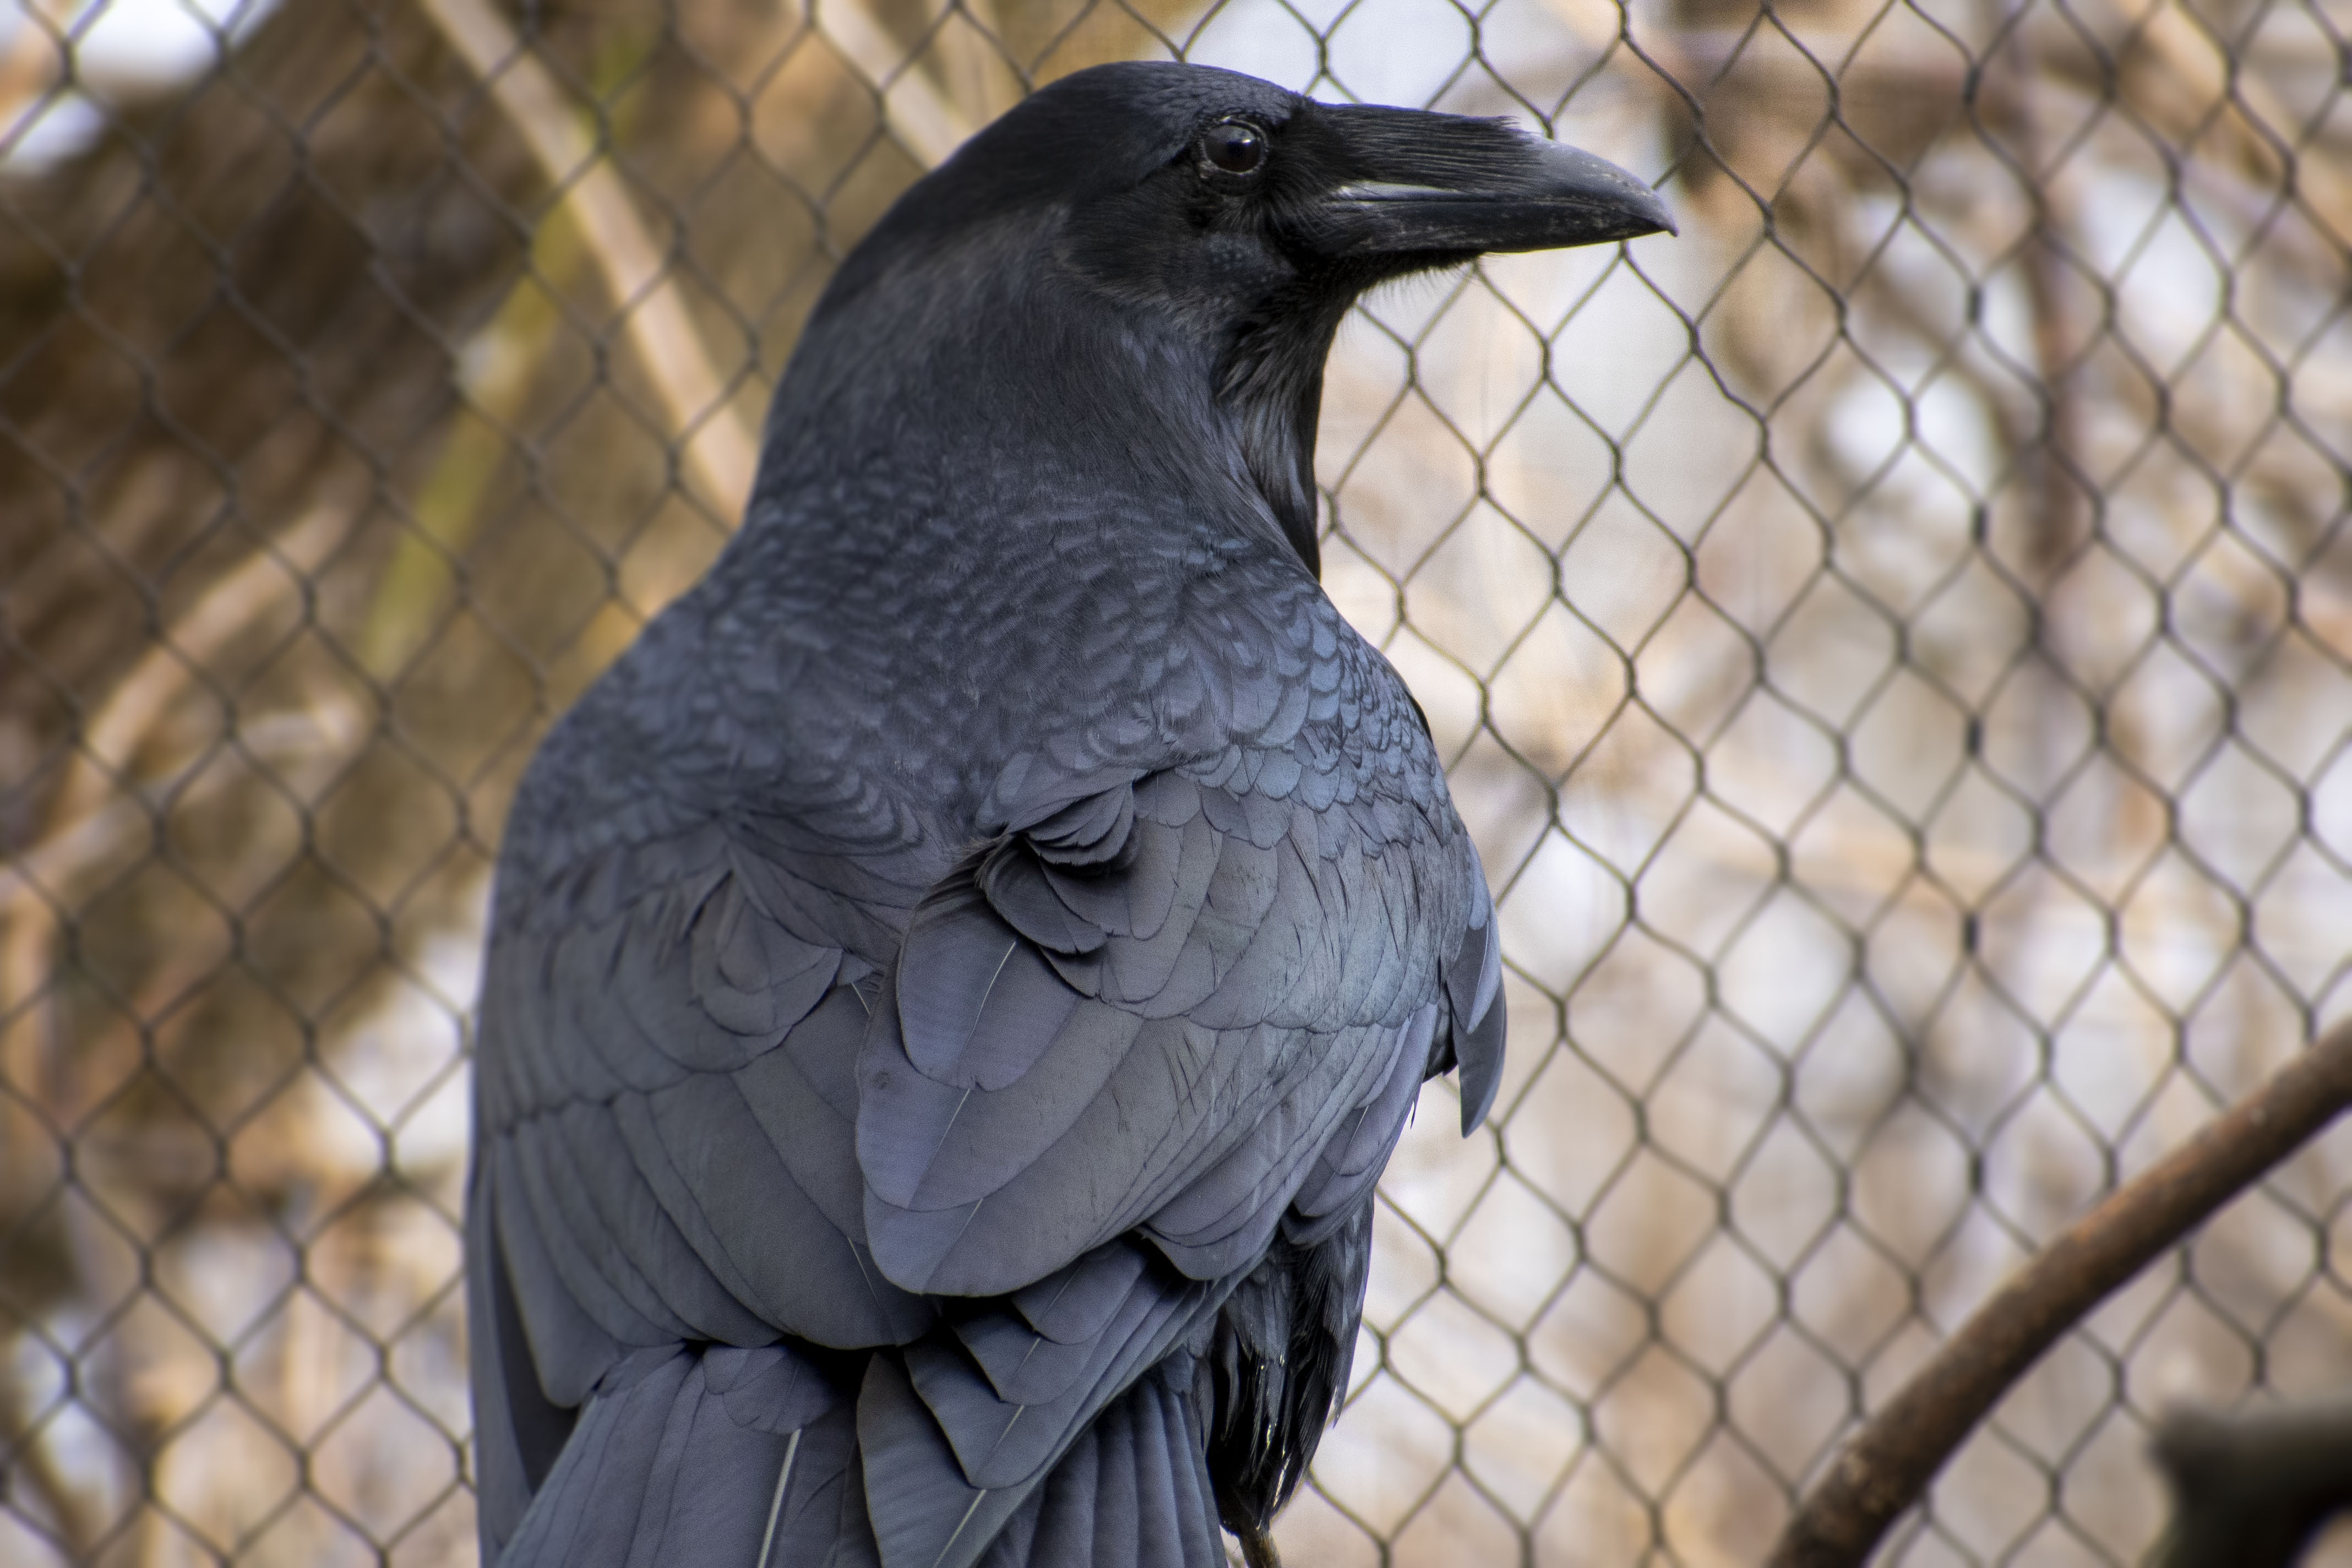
(1025,1161)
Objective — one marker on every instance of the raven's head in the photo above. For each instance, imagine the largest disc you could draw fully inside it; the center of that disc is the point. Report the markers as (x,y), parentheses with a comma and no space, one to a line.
(1221,224)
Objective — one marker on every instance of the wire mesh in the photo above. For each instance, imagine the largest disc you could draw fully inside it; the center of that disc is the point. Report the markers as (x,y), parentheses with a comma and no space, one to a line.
(1894,645)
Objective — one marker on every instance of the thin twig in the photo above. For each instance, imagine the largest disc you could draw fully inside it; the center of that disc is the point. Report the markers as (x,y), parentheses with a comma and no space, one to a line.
(80,828)
(1888,1463)
(36,63)
(28,1451)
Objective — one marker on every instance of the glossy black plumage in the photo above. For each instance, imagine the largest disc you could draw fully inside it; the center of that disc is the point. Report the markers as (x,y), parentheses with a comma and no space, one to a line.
(954,983)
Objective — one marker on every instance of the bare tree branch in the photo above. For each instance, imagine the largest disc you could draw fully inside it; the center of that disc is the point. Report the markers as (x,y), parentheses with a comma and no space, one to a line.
(718,450)
(1890,1461)
(92,810)
(925,121)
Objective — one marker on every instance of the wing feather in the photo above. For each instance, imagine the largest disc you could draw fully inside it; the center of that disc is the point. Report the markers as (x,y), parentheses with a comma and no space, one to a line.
(633,1121)
(806,1277)
(667,1113)
(924,1144)
(635,1220)
(1288,998)
(594,1266)
(569,1346)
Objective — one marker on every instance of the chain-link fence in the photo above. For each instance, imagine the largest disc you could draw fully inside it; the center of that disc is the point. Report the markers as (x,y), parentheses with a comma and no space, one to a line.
(1894,645)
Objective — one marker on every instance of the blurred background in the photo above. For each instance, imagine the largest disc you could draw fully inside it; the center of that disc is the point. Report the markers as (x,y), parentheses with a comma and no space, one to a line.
(1893,644)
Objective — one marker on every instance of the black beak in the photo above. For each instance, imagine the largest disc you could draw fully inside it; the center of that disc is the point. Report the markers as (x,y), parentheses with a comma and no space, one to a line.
(1422,188)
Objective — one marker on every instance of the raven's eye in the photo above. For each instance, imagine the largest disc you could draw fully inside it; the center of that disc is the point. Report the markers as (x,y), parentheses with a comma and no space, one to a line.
(1233,145)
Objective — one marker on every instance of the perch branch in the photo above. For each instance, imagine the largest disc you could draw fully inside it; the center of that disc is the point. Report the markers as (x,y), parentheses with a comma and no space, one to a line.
(1258,1550)
(1889,1462)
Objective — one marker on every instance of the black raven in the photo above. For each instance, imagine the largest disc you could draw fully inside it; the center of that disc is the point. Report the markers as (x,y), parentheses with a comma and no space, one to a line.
(953,983)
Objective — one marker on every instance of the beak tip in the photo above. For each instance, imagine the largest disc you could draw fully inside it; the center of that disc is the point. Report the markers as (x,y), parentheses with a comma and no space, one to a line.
(1650,216)
(1597,180)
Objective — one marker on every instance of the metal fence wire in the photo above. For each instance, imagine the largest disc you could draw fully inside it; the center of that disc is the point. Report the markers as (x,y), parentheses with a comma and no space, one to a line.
(1894,645)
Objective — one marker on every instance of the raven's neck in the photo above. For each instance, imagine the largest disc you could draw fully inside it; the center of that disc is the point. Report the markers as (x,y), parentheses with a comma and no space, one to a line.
(1269,382)
(972,529)
(1013,396)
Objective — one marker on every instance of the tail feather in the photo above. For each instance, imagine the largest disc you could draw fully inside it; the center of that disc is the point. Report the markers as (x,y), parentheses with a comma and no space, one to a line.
(518,1431)
(672,1462)
(1280,1364)
(1132,1492)
(821,1519)
(658,1471)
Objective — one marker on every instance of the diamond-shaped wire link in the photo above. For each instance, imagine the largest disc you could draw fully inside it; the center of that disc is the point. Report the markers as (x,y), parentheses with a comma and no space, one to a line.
(1893,644)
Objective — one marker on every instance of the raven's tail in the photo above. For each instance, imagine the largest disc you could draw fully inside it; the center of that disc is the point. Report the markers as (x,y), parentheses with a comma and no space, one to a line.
(1132,1492)
(665,1469)
(673,1462)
